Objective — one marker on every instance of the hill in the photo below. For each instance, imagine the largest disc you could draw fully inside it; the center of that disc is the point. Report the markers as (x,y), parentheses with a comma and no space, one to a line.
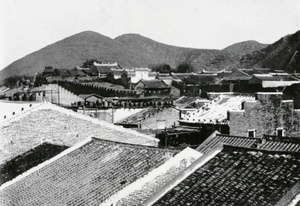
(244,47)
(129,50)
(133,50)
(283,54)
(155,53)
(70,52)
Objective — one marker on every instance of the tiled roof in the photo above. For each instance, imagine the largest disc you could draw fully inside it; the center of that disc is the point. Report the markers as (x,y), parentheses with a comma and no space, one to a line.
(237,176)
(105,68)
(142,189)
(215,111)
(262,143)
(281,146)
(154,83)
(84,96)
(216,138)
(63,72)
(238,75)
(4,88)
(269,77)
(87,175)
(118,72)
(60,126)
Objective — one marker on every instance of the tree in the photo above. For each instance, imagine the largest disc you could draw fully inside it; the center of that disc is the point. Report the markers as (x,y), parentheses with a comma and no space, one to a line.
(161,68)
(184,68)
(89,62)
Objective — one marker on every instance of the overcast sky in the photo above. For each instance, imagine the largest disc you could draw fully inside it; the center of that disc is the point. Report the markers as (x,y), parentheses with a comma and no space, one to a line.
(29,25)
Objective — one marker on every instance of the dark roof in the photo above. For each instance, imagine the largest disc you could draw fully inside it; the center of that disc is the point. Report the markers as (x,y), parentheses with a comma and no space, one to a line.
(105,68)
(216,139)
(154,83)
(143,190)
(237,176)
(85,96)
(118,72)
(49,70)
(88,71)
(73,73)
(238,75)
(275,78)
(262,143)
(77,72)
(63,72)
(246,74)
(87,175)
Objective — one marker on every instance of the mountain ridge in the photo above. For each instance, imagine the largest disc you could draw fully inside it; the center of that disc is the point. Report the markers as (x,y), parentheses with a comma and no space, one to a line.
(135,50)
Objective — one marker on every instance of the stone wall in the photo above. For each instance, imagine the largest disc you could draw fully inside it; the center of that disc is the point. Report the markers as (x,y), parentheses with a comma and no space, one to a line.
(264,115)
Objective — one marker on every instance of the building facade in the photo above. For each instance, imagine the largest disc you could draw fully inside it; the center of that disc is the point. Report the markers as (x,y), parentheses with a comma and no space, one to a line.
(268,114)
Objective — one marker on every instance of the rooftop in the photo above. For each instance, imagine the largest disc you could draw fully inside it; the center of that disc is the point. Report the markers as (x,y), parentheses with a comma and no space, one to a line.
(86,175)
(236,176)
(279,77)
(139,191)
(105,68)
(215,111)
(60,126)
(266,143)
(154,83)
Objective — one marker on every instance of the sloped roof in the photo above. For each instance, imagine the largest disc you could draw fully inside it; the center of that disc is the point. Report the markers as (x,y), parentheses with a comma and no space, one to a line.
(63,72)
(154,83)
(215,111)
(268,77)
(60,126)
(117,72)
(105,68)
(141,190)
(84,96)
(235,176)
(238,75)
(216,139)
(85,175)
(265,143)
(3,89)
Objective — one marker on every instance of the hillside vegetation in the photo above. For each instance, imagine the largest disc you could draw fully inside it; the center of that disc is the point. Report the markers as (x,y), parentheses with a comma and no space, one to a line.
(283,54)
(133,50)
(244,47)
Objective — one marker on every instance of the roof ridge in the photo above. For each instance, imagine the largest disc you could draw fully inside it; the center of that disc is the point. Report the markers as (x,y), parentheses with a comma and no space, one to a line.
(183,175)
(135,145)
(45,163)
(49,105)
(278,152)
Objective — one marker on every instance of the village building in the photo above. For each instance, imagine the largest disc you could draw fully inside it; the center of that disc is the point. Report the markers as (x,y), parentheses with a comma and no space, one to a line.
(87,71)
(49,71)
(230,175)
(137,74)
(88,173)
(273,80)
(166,77)
(3,90)
(268,114)
(91,99)
(102,69)
(152,88)
(213,115)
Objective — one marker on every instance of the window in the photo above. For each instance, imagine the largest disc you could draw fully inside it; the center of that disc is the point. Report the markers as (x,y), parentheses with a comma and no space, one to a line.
(280,132)
(251,133)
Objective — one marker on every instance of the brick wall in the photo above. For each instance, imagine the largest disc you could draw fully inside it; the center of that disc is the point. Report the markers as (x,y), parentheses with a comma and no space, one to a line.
(265,115)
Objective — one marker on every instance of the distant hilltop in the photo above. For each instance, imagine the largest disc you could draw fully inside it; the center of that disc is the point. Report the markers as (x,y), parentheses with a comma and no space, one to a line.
(133,50)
